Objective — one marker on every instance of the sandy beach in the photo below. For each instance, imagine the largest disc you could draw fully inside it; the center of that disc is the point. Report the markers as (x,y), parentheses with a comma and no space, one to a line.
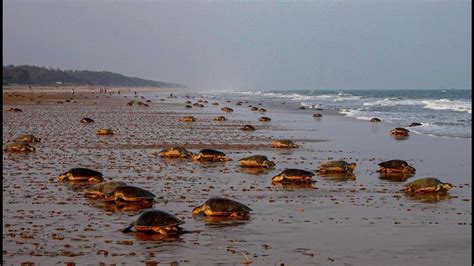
(363,221)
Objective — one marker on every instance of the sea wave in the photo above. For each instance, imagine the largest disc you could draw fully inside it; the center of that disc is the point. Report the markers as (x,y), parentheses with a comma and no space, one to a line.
(446,104)
(393,102)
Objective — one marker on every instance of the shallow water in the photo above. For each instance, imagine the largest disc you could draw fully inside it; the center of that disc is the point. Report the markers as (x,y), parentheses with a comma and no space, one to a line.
(365,221)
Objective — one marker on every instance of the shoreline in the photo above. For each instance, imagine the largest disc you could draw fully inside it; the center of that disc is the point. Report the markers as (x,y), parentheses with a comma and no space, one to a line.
(364,221)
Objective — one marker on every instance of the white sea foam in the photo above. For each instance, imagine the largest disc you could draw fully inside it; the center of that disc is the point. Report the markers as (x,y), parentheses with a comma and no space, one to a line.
(393,102)
(445,104)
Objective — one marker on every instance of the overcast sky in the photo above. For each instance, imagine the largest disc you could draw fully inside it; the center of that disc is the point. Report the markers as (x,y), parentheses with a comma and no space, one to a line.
(243,45)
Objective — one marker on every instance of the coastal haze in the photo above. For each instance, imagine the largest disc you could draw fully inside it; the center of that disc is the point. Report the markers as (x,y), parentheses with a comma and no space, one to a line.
(318,71)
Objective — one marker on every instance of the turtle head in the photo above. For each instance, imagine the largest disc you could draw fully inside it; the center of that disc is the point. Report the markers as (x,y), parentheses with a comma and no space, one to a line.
(269,164)
(409,169)
(352,166)
(277,178)
(198,210)
(294,145)
(64,176)
(446,186)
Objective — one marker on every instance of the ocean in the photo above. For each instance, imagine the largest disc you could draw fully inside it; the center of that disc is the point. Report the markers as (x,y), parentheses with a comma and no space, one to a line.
(445,113)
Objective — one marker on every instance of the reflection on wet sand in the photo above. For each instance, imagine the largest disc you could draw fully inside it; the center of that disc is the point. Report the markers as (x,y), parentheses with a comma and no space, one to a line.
(295,185)
(255,170)
(429,197)
(339,176)
(144,236)
(76,185)
(400,137)
(223,221)
(395,177)
(118,206)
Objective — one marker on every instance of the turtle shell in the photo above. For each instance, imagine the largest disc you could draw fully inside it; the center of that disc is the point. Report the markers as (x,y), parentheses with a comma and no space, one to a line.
(132,192)
(87,120)
(27,138)
(396,164)
(428,182)
(256,161)
(256,158)
(211,152)
(157,218)
(19,147)
(248,128)
(375,119)
(264,119)
(223,205)
(104,188)
(84,172)
(340,164)
(296,172)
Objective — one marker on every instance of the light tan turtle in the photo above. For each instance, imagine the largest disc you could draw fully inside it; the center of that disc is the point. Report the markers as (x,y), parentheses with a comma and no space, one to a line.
(337,167)
(102,189)
(189,118)
(284,143)
(105,131)
(19,147)
(293,176)
(427,185)
(82,175)
(27,138)
(256,161)
(156,221)
(175,152)
(220,118)
(218,206)
(399,132)
(210,155)
(264,119)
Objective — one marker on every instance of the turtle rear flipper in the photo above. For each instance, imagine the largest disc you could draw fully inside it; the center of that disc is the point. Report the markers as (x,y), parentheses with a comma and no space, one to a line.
(128,229)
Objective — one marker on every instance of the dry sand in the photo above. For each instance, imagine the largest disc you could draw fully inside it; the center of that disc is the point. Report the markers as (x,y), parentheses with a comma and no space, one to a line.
(365,221)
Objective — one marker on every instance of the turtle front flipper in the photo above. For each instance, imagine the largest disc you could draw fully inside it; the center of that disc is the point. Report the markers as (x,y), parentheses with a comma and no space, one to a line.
(128,229)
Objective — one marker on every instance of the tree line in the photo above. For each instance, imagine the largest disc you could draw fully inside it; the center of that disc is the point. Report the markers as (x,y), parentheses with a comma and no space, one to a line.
(37,75)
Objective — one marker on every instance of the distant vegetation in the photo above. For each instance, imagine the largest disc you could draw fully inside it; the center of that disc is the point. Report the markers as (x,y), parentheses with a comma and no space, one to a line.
(35,75)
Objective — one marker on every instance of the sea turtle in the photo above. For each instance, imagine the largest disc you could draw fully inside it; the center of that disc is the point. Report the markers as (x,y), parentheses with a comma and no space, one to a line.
(156,221)
(188,118)
(262,110)
(254,108)
(220,118)
(214,103)
(293,176)
(198,105)
(264,119)
(86,120)
(375,119)
(396,166)
(104,188)
(427,184)
(19,147)
(222,207)
(27,138)
(210,155)
(188,102)
(13,110)
(415,124)
(130,194)
(176,152)
(317,115)
(227,109)
(399,132)
(130,103)
(142,104)
(256,161)
(284,143)
(337,167)
(302,108)
(82,174)
(188,106)
(105,131)
(238,103)
(248,128)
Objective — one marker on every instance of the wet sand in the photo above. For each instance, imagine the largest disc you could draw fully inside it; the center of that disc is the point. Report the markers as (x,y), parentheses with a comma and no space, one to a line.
(365,221)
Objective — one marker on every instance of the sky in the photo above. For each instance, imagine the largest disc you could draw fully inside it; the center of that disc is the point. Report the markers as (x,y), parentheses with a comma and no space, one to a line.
(246,45)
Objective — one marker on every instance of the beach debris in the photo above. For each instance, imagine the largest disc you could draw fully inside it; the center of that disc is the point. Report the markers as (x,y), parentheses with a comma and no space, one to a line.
(256,161)
(284,143)
(426,185)
(175,152)
(87,120)
(339,166)
(188,118)
(222,207)
(105,131)
(19,147)
(210,155)
(82,174)
(156,221)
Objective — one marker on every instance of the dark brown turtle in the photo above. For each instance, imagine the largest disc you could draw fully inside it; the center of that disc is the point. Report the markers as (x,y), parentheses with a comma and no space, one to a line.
(264,119)
(256,161)
(210,155)
(396,166)
(220,118)
(130,194)
(302,108)
(27,138)
(86,120)
(105,131)
(227,109)
(399,132)
(284,143)
(254,108)
(222,207)
(426,185)
(317,115)
(415,124)
(19,147)
(293,176)
(337,167)
(142,104)
(130,103)
(175,152)
(189,118)
(375,119)
(262,110)
(188,102)
(156,221)
(82,174)
(248,128)
(102,189)
(188,106)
